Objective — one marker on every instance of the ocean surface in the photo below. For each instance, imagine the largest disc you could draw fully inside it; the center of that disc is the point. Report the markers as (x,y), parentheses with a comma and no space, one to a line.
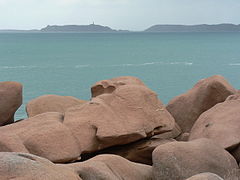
(69,63)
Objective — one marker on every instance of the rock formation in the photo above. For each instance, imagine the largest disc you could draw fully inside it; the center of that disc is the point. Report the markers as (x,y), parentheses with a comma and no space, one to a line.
(124,120)
(129,113)
(187,107)
(221,124)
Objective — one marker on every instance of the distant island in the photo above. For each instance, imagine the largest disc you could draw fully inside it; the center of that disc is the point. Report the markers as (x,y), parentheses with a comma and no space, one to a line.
(156,28)
(80,28)
(195,28)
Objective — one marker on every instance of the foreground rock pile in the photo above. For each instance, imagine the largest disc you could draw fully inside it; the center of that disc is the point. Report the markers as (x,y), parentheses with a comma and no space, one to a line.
(123,132)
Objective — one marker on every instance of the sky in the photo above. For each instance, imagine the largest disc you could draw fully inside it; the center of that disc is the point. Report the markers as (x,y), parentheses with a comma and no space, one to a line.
(118,14)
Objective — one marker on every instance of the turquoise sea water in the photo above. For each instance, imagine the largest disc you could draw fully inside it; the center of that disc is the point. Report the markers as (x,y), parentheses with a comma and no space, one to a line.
(69,63)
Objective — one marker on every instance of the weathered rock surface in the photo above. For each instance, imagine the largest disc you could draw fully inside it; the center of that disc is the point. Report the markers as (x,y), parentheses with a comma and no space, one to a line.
(141,151)
(221,124)
(111,167)
(10,101)
(181,160)
(44,135)
(22,166)
(187,107)
(127,114)
(205,176)
(51,103)
(110,85)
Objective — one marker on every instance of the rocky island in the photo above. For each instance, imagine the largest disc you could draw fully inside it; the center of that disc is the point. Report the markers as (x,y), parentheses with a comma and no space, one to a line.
(123,132)
(79,28)
(195,28)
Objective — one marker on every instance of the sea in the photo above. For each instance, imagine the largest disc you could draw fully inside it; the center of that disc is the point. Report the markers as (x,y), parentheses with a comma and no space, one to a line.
(70,63)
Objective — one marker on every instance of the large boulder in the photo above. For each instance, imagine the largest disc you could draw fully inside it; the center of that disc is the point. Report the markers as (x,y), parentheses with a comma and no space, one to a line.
(206,176)
(187,107)
(22,166)
(10,101)
(181,160)
(129,113)
(221,124)
(111,167)
(44,135)
(51,103)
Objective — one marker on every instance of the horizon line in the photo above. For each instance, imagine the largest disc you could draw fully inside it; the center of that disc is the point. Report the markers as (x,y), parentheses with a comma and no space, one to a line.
(170,24)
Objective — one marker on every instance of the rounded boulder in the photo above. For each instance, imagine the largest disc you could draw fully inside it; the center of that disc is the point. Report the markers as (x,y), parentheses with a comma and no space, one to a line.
(181,160)
(51,103)
(186,108)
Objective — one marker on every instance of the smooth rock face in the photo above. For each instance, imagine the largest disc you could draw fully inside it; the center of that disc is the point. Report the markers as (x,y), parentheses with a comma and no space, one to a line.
(22,166)
(10,101)
(205,176)
(127,114)
(187,107)
(44,135)
(221,124)
(51,103)
(111,167)
(181,160)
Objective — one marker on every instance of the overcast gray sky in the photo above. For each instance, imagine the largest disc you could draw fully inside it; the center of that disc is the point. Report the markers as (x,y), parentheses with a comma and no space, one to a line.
(118,14)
